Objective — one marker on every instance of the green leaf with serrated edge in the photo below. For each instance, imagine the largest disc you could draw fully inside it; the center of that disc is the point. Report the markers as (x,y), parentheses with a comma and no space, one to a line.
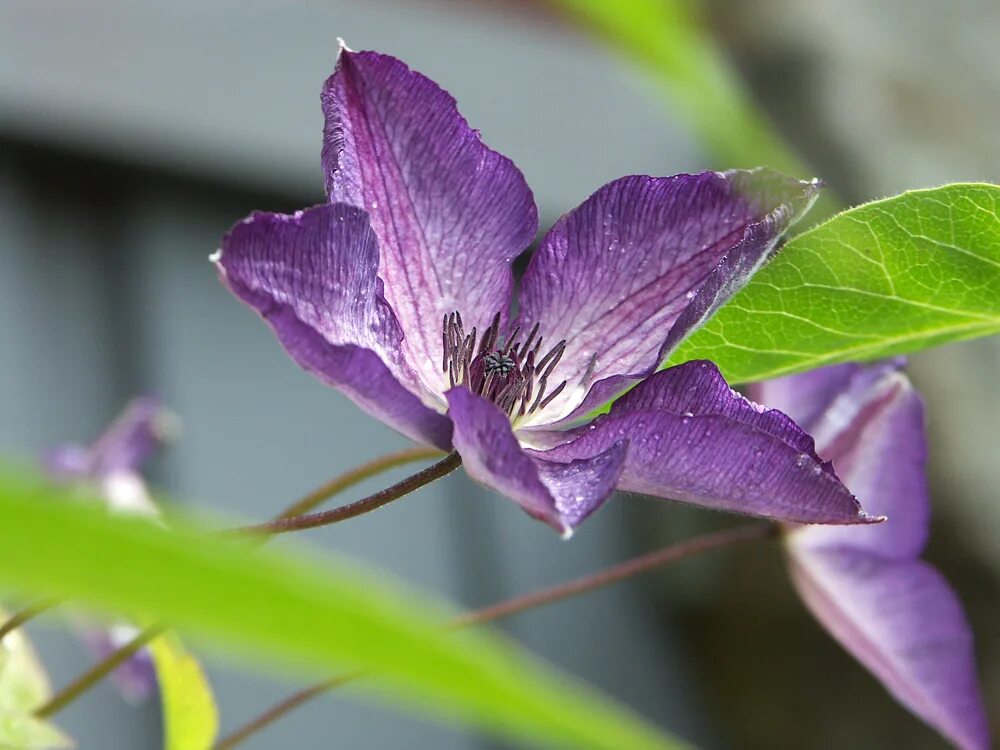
(320,613)
(888,277)
(190,717)
(23,687)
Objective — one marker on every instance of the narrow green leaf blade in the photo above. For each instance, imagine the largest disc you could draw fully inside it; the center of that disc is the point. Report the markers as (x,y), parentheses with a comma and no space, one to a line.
(317,612)
(888,277)
(190,717)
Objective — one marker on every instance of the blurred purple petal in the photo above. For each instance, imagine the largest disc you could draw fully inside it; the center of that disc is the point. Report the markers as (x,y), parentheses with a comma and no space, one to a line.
(901,620)
(68,462)
(450,214)
(112,464)
(692,438)
(312,277)
(560,493)
(136,677)
(125,446)
(644,261)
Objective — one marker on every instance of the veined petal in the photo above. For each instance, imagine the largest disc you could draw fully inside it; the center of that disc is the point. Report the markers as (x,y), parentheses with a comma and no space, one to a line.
(449,213)
(312,277)
(902,621)
(125,446)
(692,438)
(872,430)
(644,261)
(562,494)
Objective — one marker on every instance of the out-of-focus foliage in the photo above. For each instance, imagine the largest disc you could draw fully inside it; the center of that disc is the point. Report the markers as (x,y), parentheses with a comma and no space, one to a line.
(190,718)
(24,686)
(322,614)
(668,39)
(889,277)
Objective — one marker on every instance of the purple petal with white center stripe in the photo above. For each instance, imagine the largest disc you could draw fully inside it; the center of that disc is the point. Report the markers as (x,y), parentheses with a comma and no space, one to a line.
(894,613)
(312,277)
(872,430)
(450,214)
(642,263)
(902,621)
(562,494)
(692,438)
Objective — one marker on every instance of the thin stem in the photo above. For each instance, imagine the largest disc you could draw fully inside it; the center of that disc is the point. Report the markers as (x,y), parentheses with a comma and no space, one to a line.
(355,476)
(365,505)
(97,673)
(28,613)
(280,709)
(620,572)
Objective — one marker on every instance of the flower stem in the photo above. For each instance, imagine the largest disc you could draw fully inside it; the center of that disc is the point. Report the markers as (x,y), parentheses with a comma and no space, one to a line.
(97,673)
(516,605)
(356,476)
(414,482)
(338,484)
(628,569)
(28,613)
(278,710)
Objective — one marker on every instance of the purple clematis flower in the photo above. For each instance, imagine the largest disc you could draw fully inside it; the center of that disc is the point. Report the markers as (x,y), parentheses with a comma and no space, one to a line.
(112,465)
(399,292)
(867,586)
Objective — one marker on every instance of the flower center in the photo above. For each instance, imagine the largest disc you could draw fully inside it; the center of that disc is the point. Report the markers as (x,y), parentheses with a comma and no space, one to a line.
(510,374)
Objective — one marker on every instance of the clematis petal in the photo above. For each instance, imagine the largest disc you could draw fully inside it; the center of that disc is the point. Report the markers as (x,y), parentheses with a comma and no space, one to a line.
(806,396)
(312,277)
(125,446)
(562,494)
(872,430)
(449,213)
(902,621)
(642,263)
(692,438)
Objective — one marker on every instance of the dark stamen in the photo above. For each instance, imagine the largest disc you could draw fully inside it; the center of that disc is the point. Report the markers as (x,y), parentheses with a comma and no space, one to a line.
(510,346)
(556,392)
(527,341)
(554,355)
(445,346)
(510,374)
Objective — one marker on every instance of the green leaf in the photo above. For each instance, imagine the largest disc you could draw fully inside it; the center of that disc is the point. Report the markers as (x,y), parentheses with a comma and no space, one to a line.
(23,687)
(889,277)
(190,718)
(320,613)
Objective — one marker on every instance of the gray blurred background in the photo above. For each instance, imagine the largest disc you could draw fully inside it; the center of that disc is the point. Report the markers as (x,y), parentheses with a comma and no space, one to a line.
(132,134)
